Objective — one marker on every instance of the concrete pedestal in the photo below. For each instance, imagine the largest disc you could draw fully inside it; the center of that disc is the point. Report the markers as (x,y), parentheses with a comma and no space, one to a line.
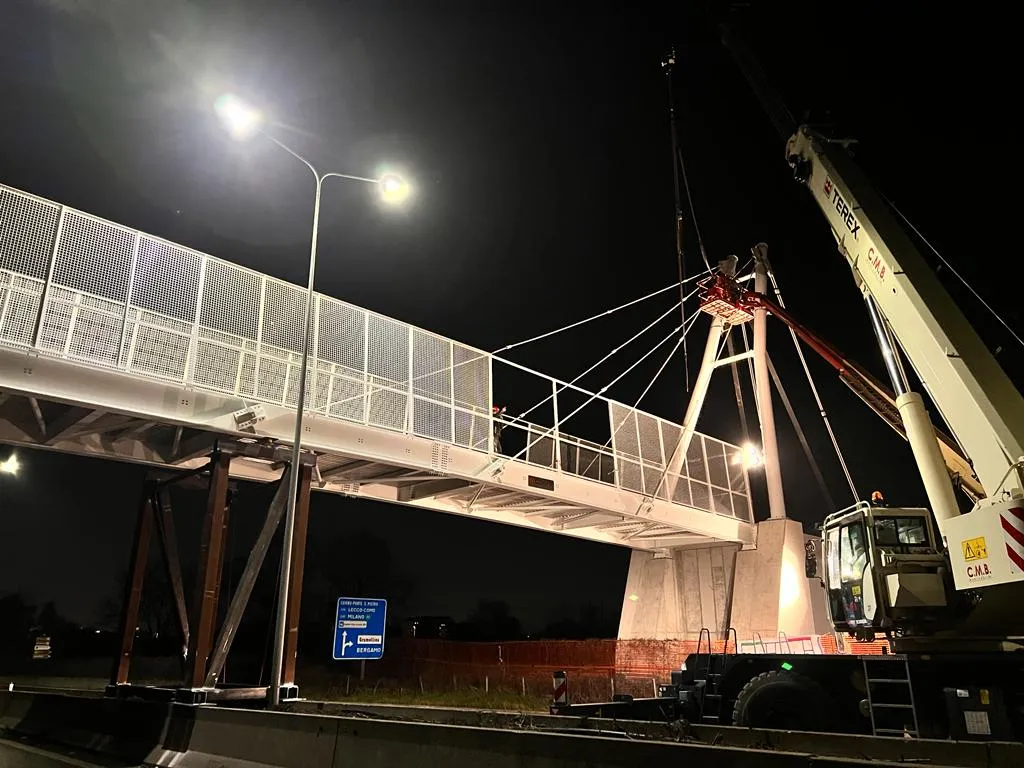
(772,593)
(760,592)
(675,596)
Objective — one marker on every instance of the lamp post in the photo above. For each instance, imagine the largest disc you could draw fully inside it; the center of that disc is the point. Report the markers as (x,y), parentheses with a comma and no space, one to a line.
(243,122)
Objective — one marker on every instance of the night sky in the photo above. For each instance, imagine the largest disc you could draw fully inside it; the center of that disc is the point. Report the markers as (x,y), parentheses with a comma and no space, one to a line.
(537,136)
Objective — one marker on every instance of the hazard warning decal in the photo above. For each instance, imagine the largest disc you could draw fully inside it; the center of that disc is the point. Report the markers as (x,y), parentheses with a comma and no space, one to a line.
(1012,521)
(986,545)
(974,549)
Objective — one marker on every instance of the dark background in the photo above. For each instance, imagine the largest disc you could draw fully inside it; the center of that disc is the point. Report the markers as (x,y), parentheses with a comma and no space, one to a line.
(537,135)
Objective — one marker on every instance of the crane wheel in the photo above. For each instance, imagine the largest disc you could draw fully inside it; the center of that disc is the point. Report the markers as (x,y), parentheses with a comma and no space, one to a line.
(784,700)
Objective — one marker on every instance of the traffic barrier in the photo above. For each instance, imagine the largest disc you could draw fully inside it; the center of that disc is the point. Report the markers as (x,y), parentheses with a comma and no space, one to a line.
(561,688)
(214,737)
(15,755)
(178,736)
(113,727)
(250,736)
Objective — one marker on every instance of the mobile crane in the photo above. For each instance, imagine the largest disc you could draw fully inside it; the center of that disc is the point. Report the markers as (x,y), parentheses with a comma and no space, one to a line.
(945,588)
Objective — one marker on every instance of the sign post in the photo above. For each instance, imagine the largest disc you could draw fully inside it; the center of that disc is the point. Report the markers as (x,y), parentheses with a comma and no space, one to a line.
(359,626)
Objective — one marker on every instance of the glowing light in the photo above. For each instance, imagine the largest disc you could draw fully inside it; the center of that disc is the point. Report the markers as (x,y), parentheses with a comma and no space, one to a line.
(394,190)
(789,585)
(748,456)
(633,598)
(10,466)
(241,120)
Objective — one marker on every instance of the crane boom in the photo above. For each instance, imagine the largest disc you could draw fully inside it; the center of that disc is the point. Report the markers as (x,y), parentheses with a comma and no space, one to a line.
(973,394)
(877,397)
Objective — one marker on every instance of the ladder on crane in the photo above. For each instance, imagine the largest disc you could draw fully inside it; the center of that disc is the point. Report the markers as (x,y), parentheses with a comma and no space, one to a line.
(890,695)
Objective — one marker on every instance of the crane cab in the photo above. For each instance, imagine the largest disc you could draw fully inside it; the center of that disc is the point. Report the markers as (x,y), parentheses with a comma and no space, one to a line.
(885,571)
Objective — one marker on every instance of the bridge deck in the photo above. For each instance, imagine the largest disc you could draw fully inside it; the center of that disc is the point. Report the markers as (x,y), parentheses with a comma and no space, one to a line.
(117,343)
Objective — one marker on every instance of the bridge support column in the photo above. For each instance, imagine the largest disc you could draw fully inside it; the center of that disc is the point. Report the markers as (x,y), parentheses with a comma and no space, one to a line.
(208,577)
(205,658)
(673,595)
(133,589)
(771,590)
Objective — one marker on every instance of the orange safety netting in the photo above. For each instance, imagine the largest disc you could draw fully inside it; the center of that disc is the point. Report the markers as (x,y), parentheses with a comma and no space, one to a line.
(640,658)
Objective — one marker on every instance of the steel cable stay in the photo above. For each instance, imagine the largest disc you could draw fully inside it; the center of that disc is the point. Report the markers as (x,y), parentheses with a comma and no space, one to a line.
(549,431)
(605,313)
(679,441)
(689,326)
(476,359)
(815,469)
(791,412)
(562,387)
(814,390)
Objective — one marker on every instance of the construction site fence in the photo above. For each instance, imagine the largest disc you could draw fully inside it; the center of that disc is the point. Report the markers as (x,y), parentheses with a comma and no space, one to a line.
(595,669)
(413,658)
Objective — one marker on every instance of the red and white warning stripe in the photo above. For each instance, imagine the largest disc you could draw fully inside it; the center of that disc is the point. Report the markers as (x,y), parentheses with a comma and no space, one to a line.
(1013,531)
(561,688)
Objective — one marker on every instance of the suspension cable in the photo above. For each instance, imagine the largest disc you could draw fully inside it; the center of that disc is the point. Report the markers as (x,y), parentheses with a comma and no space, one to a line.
(798,428)
(952,269)
(814,389)
(550,430)
(746,266)
(603,314)
(686,329)
(650,384)
(617,349)
(679,442)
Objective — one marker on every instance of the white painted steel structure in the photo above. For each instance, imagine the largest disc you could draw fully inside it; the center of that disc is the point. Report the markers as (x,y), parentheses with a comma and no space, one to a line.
(117,343)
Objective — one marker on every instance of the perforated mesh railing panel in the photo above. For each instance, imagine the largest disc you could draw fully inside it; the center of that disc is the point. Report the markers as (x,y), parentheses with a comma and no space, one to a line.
(161,309)
(712,476)
(79,287)
(28,227)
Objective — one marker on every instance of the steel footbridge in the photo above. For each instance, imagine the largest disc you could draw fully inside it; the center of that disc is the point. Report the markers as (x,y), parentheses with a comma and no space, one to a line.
(120,344)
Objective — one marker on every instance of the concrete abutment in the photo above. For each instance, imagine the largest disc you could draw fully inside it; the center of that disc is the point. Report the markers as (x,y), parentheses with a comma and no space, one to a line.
(760,591)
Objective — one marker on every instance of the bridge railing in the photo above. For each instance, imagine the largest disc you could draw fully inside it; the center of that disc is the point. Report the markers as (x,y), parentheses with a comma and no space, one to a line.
(88,290)
(558,425)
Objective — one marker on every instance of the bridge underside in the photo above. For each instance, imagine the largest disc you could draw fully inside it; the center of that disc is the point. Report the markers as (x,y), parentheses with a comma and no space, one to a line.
(162,429)
(119,344)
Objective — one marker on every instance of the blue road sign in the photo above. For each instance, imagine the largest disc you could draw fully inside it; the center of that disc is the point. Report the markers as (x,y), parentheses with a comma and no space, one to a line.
(359,628)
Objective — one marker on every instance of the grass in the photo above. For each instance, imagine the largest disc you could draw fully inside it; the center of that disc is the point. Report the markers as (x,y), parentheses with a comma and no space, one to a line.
(476,699)
(470,698)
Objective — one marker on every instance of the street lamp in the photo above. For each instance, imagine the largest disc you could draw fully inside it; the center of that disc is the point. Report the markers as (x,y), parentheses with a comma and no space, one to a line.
(243,121)
(748,456)
(10,465)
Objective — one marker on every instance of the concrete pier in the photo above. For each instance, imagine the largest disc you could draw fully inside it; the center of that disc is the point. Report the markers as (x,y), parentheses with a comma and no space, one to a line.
(772,594)
(760,591)
(672,597)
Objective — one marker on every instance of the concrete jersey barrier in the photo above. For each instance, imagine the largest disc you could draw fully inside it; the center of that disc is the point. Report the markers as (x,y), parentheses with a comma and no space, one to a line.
(177,736)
